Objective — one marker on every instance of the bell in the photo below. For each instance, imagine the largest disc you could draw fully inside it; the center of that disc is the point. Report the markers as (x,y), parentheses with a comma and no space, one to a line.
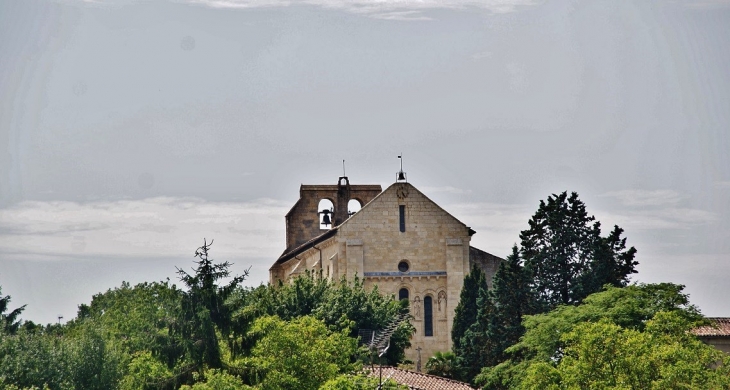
(401,176)
(326,219)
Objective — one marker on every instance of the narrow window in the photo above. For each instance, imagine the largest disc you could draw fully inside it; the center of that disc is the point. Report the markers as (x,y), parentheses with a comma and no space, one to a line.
(403,294)
(428,315)
(402,212)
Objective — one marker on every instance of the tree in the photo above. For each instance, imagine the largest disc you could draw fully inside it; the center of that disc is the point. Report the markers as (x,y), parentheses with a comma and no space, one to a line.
(9,321)
(566,256)
(349,305)
(465,313)
(218,380)
(442,364)
(339,304)
(137,318)
(203,308)
(665,355)
(476,349)
(360,382)
(535,358)
(298,354)
(512,299)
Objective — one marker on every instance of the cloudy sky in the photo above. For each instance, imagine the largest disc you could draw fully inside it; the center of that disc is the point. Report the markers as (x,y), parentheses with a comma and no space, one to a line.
(131,130)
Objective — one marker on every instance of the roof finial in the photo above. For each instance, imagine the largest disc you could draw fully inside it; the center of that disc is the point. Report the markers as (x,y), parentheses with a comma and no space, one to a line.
(343,168)
(401,176)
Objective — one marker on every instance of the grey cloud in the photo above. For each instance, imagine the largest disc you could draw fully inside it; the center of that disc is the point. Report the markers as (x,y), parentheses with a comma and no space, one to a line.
(153,227)
(391,10)
(645,197)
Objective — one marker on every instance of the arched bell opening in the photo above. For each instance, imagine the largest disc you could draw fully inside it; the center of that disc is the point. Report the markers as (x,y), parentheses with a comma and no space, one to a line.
(326,211)
(353,206)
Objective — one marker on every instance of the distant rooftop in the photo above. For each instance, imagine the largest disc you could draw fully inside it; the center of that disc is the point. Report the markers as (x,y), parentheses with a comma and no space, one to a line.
(720,328)
(419,381)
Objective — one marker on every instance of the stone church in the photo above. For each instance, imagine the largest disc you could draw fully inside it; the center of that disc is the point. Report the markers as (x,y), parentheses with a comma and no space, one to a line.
(399,240)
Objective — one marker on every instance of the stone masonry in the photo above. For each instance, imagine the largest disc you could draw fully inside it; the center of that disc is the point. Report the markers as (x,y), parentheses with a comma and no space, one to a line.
(434,245)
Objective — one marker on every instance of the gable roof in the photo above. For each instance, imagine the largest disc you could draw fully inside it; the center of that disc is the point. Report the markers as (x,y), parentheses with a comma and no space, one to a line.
(288,255)
(720,327)
(417,380)
(301,248)
(411,187)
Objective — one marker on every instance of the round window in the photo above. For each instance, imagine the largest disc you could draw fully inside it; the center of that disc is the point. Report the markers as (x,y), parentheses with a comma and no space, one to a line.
(403,266)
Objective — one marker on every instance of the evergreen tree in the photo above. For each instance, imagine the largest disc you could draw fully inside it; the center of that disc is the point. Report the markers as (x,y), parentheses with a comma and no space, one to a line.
(476,349)
(203,308)
(9,321)
(512,298)
(466,311)
(566,256)
(611,263)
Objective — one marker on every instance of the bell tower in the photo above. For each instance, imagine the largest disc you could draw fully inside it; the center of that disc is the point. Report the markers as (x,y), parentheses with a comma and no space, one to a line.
(303,220)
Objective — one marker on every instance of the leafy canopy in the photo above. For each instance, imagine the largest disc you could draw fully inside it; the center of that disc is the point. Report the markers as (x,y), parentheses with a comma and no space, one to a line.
(644,323)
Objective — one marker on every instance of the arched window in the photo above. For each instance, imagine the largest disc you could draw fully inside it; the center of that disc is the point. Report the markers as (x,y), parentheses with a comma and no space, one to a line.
(353,206)
(428,315)
(403,294)
(326,210)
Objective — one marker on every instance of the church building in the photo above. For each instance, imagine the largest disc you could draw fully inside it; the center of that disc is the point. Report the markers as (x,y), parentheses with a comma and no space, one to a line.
(399,240)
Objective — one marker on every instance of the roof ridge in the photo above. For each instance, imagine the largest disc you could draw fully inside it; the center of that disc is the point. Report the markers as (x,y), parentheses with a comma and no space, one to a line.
(427,375)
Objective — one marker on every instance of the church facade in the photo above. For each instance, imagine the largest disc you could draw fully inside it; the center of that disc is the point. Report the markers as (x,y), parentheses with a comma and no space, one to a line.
(399,240)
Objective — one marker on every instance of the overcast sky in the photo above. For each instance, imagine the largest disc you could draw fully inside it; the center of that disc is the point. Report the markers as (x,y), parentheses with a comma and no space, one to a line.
(131,130)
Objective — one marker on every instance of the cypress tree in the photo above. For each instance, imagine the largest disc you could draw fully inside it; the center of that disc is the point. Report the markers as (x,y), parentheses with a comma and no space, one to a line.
(465,313)
(512,299)
(565,255)
(476,349)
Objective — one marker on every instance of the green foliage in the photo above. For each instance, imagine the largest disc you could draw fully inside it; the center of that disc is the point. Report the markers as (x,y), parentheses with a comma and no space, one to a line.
(218,380)
(465,313)
(360,382)
(82,361)
(512,299)
(9,321)
(566,256)
(476,349)
(340,305)
(442,364)
(203,310)
(298,354)
(145,373)
(604,355)
(138,318)
(94,363)
(350,305)
(35,359)
(628,315)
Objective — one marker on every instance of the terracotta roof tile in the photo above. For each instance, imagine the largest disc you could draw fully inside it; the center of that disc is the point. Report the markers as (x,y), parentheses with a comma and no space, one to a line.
(720,328)
(419,381)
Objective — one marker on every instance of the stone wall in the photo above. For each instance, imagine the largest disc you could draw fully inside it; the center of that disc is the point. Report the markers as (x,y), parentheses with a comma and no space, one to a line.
(302,221)
(370,244)
(435,245)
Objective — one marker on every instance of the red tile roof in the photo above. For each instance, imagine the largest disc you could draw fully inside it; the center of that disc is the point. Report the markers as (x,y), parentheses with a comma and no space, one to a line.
(720,328)
(419,381)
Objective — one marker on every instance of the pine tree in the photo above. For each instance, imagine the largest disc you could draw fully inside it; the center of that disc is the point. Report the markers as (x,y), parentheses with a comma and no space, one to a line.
(465,313)
(512,299)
